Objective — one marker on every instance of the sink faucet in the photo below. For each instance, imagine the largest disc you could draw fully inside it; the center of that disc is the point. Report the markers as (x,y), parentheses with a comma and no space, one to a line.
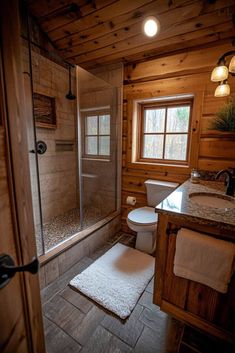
(230,180)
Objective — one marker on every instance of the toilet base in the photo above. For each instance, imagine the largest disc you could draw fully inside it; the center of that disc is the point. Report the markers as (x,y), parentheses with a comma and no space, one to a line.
(145,242)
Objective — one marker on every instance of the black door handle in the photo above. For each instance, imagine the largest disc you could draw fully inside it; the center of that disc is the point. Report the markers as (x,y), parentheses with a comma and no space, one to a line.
(8,268)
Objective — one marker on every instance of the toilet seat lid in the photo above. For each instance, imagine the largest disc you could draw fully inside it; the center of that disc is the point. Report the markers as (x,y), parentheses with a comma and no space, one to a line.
(143,215)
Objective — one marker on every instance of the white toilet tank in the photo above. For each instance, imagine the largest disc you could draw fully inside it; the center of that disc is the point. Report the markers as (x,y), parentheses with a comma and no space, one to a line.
(158,190)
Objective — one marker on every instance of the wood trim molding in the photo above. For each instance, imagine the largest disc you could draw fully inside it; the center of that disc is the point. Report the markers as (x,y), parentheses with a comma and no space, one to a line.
(160,264)
(195,128)
(140,122)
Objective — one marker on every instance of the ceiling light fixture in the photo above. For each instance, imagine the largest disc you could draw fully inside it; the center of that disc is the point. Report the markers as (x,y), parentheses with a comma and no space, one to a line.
(221,72)
(151,26)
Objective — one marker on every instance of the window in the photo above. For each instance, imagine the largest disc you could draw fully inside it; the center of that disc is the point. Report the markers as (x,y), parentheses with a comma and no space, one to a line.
(164,132)
(97,135)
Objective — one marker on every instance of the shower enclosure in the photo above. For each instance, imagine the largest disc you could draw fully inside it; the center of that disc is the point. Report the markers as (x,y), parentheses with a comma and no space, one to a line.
(73,156)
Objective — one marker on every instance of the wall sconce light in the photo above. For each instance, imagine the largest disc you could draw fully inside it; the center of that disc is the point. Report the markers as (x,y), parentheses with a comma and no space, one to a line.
(221,72)
(222,90)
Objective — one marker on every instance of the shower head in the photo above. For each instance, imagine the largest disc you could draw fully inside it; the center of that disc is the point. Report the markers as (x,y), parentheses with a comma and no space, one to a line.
(70,95)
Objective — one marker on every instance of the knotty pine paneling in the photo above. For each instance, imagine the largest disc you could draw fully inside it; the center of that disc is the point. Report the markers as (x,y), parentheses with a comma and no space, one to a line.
(132,32)
(222,148)
(133,44)
(91,34)
(174,65)
(187,72)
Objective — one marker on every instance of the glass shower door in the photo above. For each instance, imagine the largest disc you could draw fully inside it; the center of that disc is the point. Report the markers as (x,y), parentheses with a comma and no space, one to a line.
(98,140)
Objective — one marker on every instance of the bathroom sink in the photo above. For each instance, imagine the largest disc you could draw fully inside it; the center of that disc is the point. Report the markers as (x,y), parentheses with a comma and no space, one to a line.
(213,200)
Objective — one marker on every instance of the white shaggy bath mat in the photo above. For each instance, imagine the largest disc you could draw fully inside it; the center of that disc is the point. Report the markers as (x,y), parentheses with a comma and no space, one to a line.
(117,279)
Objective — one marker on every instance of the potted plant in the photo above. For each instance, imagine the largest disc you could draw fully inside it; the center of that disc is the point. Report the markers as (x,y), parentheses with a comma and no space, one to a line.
(225,118)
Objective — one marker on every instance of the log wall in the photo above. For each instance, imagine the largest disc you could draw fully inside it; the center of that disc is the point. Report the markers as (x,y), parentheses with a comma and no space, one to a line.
(188,72)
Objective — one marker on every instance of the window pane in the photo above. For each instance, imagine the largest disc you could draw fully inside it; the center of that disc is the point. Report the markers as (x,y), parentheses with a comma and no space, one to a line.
(154,120)
(176,147)
(104,124)
(153,146)
(91,125)
(178,119)
(104,145)
(91,145)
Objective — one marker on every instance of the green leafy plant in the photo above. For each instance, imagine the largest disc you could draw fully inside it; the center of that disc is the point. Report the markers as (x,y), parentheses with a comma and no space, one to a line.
(225,118)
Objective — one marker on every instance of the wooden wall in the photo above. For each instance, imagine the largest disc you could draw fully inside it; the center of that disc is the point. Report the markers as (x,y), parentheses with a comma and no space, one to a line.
(188,72)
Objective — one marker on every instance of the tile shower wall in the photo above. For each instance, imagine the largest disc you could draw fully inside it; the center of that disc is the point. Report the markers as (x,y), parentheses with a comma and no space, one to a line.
(57,168)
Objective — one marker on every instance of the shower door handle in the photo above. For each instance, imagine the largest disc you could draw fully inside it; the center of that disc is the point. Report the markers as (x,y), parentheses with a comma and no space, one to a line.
(8,268)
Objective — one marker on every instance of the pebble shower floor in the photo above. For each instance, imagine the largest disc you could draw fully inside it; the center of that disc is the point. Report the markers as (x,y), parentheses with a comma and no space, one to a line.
(64,226)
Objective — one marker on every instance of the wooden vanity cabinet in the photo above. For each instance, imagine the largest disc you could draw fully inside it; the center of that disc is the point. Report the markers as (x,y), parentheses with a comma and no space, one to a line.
(192,302)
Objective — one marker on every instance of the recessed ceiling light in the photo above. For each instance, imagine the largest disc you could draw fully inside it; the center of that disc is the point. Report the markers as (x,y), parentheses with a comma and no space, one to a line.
(151,26)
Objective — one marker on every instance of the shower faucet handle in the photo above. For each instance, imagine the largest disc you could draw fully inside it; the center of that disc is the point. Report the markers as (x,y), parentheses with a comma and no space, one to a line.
(41,147)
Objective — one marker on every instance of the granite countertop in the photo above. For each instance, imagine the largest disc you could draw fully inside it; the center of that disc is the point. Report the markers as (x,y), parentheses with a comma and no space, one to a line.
(179,203)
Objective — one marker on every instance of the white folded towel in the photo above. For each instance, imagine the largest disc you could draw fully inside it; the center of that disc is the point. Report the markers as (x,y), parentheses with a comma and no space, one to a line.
(204,259)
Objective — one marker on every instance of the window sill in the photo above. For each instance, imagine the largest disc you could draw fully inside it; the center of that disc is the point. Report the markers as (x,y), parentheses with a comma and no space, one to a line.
(183,166)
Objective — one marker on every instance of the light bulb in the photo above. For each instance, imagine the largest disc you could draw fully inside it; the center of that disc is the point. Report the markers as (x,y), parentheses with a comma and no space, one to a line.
(222,90)
(151,26)
(220,73)
(232,65)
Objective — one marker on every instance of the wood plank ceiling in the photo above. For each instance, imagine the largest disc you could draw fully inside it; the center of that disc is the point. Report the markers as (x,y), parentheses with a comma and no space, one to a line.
(96,32)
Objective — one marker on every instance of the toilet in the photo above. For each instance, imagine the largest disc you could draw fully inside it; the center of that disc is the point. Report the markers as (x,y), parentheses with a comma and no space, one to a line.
(143,220)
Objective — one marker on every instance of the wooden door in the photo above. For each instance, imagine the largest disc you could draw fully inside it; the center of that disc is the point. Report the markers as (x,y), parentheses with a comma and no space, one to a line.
(21,329)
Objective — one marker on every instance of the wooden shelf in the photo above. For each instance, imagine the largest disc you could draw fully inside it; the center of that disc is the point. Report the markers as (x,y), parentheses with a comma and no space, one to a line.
(218,134)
